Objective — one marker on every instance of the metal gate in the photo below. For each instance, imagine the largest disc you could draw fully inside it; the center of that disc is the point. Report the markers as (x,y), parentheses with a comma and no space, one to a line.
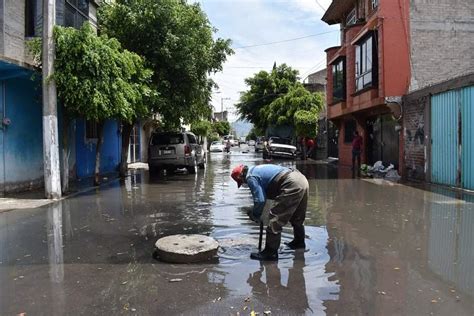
(467,114)
(452,138)
(2,139)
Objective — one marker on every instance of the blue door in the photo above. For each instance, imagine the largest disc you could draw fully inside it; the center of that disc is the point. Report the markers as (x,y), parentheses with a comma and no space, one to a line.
(444,138)
(467,144)
(2,136)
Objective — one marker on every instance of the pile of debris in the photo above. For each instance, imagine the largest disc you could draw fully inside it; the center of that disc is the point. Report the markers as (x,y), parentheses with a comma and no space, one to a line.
(378,170)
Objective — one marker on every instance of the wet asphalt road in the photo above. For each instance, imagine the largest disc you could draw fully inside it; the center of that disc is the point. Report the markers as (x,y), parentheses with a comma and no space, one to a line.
(373,249)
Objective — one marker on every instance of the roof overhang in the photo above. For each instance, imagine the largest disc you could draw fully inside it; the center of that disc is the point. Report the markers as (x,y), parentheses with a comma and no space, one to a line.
(337,11)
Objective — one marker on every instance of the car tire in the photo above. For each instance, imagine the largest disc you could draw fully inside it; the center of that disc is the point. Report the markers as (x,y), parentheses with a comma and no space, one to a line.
(154,170)
(170,171)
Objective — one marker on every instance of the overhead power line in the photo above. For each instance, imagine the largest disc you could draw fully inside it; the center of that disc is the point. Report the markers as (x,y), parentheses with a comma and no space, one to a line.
(286,40)
(319,4)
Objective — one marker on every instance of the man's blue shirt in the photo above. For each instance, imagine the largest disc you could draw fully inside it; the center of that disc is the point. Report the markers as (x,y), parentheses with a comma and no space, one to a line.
(258,178)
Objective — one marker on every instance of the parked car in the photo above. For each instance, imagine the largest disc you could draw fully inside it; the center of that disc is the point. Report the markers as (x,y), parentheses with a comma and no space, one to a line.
(260,144)
(173,150)
(217,146)
(251,142)
(279,147)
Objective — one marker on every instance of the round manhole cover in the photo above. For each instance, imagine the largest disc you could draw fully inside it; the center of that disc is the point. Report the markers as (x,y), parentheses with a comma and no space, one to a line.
(186,248)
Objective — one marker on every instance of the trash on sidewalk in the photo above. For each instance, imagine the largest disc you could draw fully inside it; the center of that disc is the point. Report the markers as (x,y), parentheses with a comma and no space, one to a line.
(379,171)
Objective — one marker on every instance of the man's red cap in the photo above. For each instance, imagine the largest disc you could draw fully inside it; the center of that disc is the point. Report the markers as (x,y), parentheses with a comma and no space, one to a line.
(236,172)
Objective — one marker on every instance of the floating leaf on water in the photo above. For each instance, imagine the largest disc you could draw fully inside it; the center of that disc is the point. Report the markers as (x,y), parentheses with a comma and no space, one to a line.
(125,282)
(396,268)
(267,312)
(434,301)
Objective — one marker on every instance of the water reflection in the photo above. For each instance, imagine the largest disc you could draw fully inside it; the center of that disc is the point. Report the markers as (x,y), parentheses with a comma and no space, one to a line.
(372,249)
(267,285)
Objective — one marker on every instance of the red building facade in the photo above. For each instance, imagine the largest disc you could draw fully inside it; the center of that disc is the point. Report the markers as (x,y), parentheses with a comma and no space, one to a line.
(367,75)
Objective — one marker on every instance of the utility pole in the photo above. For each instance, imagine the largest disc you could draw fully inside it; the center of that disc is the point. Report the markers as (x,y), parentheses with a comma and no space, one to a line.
(222,104)
(52,177)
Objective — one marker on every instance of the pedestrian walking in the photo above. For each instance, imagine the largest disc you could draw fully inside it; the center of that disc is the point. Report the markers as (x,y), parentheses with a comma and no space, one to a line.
(228,145)
(289,189)
(310,145)
(356,150)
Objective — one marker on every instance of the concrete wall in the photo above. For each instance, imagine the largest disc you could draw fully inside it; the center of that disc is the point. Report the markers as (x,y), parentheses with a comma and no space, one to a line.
(12,45)
(442,40)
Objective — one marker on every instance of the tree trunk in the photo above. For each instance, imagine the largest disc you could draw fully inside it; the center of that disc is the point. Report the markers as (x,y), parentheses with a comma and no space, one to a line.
(66,154)
(126,132)
(100,140)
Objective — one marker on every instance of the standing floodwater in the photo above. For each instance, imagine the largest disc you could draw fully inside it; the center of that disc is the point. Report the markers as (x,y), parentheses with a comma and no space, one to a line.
(372,249)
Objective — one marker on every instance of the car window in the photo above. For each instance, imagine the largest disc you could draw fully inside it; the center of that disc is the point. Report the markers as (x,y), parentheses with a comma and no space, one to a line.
(167,139)
(278,140)
(192,139)
(215,143)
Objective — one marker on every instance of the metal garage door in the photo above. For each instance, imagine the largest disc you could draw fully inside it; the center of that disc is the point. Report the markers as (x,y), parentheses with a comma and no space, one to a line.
(452,138)
(444,138)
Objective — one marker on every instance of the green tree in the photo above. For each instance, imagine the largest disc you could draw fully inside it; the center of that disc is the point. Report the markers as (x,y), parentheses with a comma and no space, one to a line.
(98,80)
(282,110)
(176,40)
(264,88)
(306,123)
(221,128)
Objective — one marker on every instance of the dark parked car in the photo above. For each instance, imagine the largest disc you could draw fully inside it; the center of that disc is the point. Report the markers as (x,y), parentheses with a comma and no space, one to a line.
(172,150)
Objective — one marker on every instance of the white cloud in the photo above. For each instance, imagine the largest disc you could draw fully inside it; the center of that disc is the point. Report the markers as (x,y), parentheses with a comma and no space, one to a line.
(253,22)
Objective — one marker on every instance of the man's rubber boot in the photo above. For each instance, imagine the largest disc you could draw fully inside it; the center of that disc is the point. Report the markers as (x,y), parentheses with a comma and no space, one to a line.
(265,255)
(298,240)
(270,253)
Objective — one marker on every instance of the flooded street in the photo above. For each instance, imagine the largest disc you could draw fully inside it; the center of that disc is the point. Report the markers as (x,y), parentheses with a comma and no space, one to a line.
(373,248)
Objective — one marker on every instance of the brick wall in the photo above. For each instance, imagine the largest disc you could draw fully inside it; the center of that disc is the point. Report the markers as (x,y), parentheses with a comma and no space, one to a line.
(414,132)
(442,40)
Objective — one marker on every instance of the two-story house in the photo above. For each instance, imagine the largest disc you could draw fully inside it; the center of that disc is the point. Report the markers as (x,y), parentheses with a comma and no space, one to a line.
(21,149)
(367,75)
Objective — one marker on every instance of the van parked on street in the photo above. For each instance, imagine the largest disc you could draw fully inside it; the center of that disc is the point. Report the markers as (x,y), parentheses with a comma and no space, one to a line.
(173,150)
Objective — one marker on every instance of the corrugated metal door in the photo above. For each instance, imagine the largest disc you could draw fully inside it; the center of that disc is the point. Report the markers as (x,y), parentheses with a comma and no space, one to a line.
(467,114)
(444,138)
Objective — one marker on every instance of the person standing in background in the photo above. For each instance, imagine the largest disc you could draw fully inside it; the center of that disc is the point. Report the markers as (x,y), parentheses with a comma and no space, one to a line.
(356,150)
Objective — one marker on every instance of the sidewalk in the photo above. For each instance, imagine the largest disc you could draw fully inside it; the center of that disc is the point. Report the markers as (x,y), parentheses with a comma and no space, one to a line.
(35,198)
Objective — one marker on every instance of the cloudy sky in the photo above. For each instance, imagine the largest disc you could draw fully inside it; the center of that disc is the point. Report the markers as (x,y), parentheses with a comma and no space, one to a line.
(257,22)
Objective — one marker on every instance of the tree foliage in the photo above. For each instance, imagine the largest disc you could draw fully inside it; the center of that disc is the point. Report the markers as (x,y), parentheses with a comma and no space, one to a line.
(264,88)
(176,40)
(96,79)
(221,128)
(277,97)
(306,123)
(201,128)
